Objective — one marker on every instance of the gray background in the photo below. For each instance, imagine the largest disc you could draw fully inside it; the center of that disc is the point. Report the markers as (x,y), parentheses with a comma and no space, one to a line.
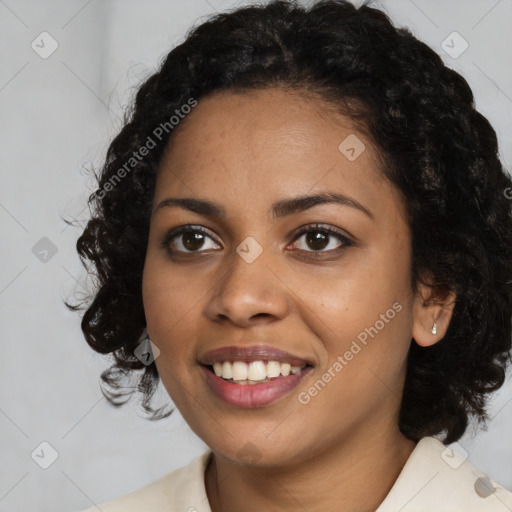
(58,116)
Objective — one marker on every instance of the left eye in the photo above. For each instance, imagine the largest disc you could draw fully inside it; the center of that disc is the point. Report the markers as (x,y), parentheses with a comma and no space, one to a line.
(317,237)
(192,238)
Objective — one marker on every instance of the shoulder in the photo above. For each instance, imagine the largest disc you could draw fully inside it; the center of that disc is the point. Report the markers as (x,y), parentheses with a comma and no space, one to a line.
(436,477)
(182,489)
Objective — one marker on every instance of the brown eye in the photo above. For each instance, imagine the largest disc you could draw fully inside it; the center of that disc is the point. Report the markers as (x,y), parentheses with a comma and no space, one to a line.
(317,238)
(192,241)
(187,239)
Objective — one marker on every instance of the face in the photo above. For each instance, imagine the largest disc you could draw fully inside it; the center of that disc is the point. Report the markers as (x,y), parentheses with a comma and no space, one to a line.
(338,297)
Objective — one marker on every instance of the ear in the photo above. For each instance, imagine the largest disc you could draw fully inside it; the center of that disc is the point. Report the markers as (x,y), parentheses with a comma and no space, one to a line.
(431,305)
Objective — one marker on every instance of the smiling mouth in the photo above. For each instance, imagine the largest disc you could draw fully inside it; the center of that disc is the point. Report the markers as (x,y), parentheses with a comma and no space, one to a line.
(249,391)
(254,372)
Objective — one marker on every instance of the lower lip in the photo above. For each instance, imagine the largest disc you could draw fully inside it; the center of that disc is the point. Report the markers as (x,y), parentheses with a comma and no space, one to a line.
(253,395)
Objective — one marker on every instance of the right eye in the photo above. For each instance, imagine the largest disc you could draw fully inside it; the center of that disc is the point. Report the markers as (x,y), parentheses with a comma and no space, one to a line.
(186,239)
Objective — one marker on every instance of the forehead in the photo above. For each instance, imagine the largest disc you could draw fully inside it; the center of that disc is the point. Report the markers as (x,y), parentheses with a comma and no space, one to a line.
(269,144)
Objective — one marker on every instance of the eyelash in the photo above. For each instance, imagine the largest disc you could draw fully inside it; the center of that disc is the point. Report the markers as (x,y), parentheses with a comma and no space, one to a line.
(312,228)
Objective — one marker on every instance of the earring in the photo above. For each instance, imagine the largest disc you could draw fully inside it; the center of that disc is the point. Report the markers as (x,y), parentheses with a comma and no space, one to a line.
(434,328)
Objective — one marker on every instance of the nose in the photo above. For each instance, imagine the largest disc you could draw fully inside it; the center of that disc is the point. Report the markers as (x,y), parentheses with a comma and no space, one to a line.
(248,293)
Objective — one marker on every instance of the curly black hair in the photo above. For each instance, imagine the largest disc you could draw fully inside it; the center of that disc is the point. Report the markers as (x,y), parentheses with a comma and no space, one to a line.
(435,147)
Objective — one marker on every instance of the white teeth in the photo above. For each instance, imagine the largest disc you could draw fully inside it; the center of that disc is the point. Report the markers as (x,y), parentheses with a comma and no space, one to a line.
(255,371)
(285,369)
(239,370)
(227,370)
(218,369)
(273,369)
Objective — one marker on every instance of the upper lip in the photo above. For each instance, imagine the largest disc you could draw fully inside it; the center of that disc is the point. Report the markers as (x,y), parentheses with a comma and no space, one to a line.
(251,353)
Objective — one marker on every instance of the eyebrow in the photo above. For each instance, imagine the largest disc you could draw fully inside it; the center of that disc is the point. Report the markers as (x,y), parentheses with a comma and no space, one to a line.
(279,209)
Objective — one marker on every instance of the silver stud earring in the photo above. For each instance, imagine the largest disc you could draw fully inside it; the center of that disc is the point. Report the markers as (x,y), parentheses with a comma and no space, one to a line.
(434,328)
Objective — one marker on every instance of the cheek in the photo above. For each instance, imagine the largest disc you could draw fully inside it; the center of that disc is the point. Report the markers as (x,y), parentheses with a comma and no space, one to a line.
(171,303)
(166,318)
(156,299)
(358,292)
(375,283)
(165,304)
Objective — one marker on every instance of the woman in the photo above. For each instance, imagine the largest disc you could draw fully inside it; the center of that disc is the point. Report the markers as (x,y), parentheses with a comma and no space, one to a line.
(307,217)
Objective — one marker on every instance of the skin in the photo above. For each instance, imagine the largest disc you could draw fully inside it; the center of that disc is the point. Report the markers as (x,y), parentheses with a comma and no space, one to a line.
(245,151)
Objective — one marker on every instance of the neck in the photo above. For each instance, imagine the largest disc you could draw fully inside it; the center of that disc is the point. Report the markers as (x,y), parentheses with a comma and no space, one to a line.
(357,473)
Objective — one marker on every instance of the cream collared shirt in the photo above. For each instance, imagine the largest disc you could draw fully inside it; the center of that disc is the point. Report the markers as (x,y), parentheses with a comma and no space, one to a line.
(434,479)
